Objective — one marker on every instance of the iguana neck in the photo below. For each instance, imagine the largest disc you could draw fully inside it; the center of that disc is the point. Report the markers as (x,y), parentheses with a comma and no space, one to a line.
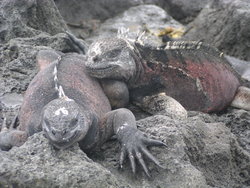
(139,65)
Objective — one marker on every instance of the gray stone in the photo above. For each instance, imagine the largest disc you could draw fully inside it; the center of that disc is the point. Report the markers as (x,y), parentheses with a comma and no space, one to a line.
(80,13)
(224,24)
(238,121)
(183,10)
(84,17)
(221,153)
(198,154)
(22,18)
(149,18)
(208,146)
(17,58)
(38,164)
(11,100)
(78,10)
(241,67)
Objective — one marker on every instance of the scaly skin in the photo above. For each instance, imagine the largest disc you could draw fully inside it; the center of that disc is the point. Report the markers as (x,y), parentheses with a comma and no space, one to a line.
(81,113)
(195,74)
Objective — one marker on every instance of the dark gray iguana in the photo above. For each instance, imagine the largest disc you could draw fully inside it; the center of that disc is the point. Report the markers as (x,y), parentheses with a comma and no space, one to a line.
(69,106)
(195,74)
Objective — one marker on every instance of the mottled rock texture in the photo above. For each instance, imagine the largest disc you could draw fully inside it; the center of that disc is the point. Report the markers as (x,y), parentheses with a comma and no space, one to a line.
(183,10)
(37,164)
(224,24)
(29,18)
(198,154)
(78,10)
(149,18)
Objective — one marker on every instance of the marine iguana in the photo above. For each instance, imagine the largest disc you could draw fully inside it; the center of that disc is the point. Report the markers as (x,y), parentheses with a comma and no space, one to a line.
(195,74)
(69,106)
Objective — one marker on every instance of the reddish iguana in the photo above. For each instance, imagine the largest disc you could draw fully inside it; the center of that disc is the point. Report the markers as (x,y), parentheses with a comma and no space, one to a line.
(70,106)
(195,74)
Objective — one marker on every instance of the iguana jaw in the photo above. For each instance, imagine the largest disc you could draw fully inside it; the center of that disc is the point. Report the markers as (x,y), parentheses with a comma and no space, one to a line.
(64,124)
(118,70)
(100,71)
(61,141)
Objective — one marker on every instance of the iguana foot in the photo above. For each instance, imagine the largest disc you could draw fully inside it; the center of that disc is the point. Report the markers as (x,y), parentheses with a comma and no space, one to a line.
(79,45)
(134,145)
(133,142)
(242,98)
(10,137)
(163,105)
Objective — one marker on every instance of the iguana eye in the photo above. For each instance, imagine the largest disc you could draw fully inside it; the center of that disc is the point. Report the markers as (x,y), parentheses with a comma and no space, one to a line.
(46,121)
(74,121)
(113,53)
(92,54)
(95,58)
(53,131)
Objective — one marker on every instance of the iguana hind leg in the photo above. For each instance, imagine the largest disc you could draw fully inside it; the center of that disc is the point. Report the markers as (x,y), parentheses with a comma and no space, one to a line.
(79,45)
(161,104)
(10,137)
(242,98)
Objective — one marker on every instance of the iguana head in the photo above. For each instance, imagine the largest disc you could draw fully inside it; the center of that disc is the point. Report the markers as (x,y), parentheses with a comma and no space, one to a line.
(63,123)
(111,58)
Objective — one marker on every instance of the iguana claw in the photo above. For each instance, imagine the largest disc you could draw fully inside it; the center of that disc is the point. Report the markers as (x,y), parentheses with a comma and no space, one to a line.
(134,145)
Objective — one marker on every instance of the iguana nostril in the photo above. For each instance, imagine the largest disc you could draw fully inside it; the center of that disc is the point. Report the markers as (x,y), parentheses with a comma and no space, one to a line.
(64,132)
(53,132)
(95,58)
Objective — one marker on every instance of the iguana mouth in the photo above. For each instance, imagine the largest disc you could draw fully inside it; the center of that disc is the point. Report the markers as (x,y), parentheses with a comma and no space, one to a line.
(98,70)
(65,142)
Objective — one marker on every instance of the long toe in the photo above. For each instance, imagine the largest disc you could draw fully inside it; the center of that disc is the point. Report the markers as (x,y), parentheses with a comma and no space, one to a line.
(141,161)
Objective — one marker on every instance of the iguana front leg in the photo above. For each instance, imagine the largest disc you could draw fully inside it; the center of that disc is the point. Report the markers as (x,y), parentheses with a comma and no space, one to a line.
(10,137)
(133,142)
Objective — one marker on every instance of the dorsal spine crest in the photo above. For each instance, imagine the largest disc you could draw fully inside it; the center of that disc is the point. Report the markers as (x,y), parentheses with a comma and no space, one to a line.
(173,45)
(58,87)
(192,45)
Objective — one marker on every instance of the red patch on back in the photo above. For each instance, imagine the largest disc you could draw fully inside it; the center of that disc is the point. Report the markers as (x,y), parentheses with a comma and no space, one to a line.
(217,80)
(197,83)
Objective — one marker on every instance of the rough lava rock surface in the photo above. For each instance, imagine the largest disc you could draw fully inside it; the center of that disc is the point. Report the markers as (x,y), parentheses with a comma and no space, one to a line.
(184,10)
(214,150)
(239,123)
(198,154)
(38,164)
(224,24)
(28,18)
(149,18)
(78,10)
